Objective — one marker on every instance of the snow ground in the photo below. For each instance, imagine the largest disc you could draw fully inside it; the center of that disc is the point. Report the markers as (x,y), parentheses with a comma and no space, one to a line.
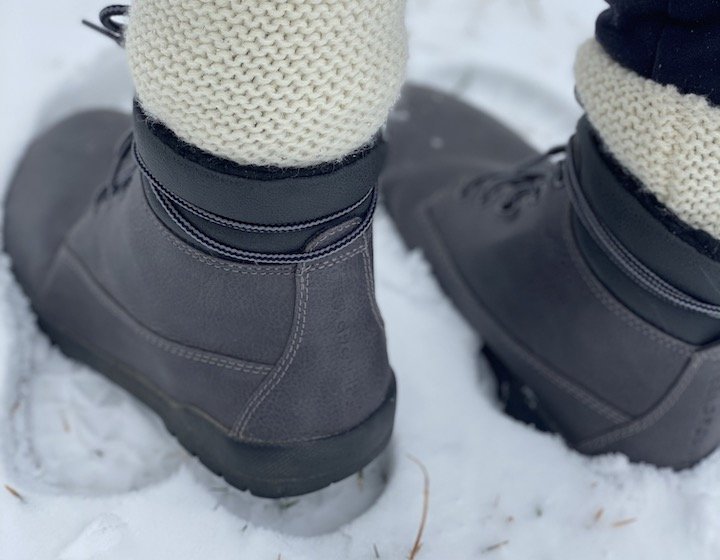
(99,478)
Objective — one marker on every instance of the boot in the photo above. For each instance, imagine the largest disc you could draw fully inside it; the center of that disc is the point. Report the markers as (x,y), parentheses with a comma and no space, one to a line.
(236,302)
(598,309)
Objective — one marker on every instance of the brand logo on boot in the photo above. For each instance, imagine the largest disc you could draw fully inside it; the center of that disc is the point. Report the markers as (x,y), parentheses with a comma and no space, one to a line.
(343,330)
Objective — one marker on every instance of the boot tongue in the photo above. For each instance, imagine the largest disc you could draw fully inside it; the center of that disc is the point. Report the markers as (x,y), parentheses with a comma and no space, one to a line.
(688,259)
(317,198)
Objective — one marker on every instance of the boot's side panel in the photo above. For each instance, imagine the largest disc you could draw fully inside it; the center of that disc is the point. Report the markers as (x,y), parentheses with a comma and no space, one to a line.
(63,168)
(188,296)
(77,304)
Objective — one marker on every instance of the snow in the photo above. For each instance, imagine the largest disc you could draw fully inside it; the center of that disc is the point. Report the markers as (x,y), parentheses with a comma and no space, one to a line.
(95,476)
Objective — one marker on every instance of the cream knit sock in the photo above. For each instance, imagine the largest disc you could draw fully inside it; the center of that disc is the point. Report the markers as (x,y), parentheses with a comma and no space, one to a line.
(264,82)
(668,140)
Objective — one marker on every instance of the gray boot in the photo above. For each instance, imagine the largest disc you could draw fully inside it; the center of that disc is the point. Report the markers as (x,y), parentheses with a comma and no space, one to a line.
(237,302)
(598,309)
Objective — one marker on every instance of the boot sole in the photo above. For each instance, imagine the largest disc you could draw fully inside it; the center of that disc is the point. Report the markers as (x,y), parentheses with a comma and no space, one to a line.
(265,470)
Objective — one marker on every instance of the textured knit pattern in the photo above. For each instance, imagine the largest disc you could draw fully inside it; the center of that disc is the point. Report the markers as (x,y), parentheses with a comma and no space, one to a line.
(667,140)
(264,82)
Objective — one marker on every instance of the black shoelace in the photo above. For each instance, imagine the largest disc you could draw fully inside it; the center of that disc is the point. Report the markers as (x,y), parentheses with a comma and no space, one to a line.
(525,181)
(109,26)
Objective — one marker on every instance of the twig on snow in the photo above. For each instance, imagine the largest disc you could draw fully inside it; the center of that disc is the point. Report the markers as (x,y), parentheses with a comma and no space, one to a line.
(287,504)
(14,408)
(417,545)
(15,493)
(494,547)
(65,423)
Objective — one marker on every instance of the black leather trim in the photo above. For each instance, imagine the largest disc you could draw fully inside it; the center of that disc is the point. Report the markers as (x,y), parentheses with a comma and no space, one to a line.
(260,195)
(702,241)
(659,247)
(648,238)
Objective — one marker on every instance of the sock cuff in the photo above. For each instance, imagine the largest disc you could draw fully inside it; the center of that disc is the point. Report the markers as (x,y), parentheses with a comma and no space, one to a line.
(669,141)
(267,83)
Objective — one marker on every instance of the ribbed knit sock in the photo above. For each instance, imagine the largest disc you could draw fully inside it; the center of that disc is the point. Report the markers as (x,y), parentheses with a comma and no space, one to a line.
(262,82)
(668,140)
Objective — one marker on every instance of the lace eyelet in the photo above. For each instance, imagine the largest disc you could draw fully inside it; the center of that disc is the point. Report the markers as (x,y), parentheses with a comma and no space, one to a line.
(507,209)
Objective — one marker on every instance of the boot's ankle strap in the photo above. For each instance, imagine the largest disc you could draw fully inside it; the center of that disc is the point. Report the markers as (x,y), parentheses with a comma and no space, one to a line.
(224,207)
(169,203)
(620,255)
(253,194)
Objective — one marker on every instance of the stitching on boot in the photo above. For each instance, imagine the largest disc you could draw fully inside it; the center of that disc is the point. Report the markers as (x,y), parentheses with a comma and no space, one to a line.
(239,268)
(609,302)
(283,366)
(336,260)
(150,336)
(370,286)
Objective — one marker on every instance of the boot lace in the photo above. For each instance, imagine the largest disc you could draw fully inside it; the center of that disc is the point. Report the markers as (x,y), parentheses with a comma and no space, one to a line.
(109,26)
(507,188)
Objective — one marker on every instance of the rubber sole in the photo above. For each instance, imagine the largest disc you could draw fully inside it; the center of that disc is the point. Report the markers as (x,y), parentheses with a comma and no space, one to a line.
(265,470)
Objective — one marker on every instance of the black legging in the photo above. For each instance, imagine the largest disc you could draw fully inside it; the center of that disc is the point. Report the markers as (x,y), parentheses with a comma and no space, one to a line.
(669,41)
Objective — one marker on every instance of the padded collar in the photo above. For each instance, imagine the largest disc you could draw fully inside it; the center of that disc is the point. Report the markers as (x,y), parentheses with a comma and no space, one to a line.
(259,195)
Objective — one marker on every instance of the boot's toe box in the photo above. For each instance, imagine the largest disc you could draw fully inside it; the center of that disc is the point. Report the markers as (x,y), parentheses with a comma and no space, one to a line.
(438,143)
(428,126)
(54,183)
